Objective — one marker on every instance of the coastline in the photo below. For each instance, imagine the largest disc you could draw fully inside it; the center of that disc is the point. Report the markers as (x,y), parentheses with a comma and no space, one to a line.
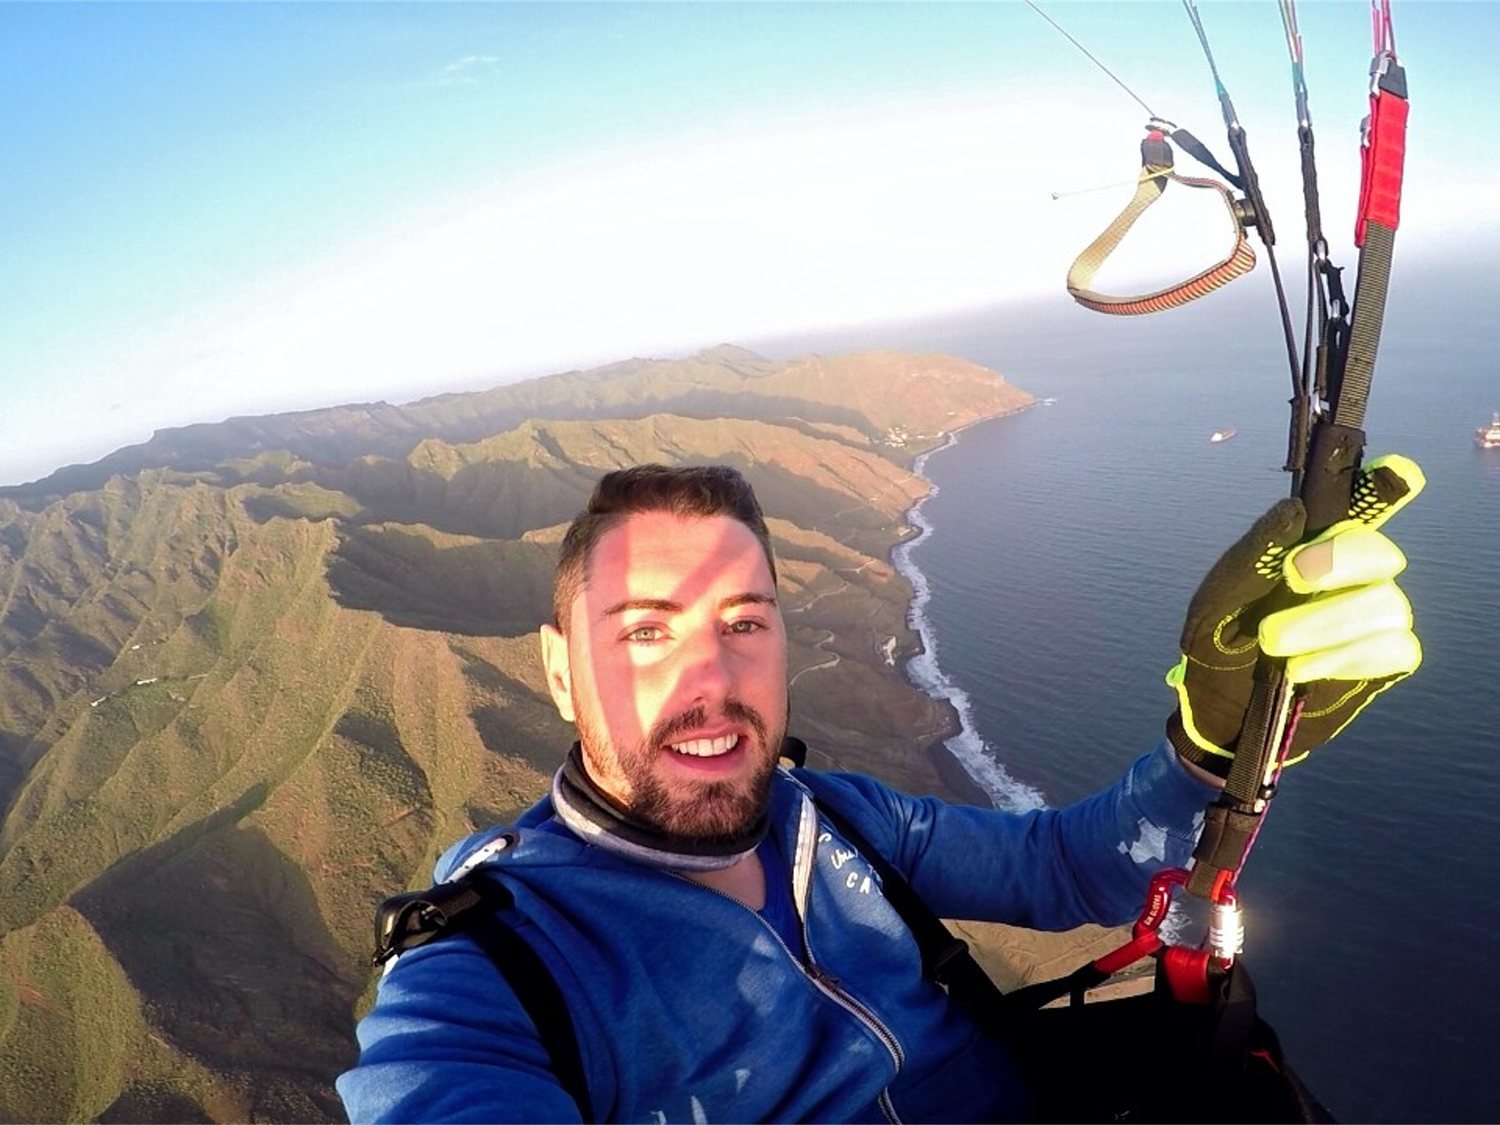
(971,769)
(965,790)
(964,761)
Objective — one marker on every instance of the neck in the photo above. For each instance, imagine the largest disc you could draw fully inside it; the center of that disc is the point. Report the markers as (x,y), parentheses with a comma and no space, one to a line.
(744,880)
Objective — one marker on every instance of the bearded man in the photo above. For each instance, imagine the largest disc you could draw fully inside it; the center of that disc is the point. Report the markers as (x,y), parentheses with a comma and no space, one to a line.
(723,950)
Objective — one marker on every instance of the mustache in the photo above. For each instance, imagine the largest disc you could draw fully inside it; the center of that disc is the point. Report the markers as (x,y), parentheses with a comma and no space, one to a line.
(666,730)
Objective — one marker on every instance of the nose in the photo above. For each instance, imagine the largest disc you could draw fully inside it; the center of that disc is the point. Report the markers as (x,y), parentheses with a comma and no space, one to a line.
(705,673)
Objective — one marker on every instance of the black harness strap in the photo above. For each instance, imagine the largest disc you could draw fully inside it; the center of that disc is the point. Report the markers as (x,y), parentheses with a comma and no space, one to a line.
(945,958)
(1226,1064)
(537,990)
(471,904)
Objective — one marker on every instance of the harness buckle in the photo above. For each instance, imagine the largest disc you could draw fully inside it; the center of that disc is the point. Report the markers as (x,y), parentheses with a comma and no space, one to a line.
(406,921)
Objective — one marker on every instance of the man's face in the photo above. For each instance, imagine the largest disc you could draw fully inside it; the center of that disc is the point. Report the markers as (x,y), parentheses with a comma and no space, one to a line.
(674,670)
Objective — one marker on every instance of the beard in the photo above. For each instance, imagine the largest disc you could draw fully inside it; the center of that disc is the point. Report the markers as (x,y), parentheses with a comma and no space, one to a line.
(708,811)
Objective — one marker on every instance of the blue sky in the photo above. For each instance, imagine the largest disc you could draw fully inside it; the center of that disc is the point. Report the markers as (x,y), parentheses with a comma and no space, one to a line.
(212,209)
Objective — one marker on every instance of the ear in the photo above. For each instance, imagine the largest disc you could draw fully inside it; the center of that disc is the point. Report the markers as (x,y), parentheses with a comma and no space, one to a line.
(558,670)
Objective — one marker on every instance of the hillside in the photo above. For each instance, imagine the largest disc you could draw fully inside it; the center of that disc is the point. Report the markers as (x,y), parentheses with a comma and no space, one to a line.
(257,675)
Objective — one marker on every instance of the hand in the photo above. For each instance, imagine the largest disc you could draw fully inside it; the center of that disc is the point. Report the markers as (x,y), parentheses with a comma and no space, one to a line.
(1346,637)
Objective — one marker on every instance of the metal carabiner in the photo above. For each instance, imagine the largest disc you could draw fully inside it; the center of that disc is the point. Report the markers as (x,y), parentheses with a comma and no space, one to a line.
(1226,929)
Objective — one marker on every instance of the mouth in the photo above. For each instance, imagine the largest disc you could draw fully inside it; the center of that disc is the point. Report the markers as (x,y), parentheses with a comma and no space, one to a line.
(706,747)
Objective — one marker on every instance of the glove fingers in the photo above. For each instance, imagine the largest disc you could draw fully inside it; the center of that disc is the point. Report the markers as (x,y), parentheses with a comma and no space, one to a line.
(1326,621)
(1356,556)
(1396,652)
(1245,573)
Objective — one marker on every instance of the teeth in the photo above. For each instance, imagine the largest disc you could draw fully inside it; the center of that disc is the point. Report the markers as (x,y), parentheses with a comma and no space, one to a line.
(707,747)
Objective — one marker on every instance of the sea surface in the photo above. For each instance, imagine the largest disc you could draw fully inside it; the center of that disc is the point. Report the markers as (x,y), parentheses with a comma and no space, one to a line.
(1061,547)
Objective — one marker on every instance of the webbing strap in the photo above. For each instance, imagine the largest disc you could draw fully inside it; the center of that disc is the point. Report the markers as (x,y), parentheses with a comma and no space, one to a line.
(1153,182)
(1383,159)
(1382,166)
(1368,319)
(947,961)
(1199,151)
(470,904)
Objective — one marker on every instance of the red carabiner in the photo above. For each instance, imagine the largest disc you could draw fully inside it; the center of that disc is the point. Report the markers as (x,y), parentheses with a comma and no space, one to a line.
(1146,938)
(1159,899)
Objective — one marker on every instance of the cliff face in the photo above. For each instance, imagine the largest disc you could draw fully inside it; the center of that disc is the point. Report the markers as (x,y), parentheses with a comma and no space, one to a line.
(257,675)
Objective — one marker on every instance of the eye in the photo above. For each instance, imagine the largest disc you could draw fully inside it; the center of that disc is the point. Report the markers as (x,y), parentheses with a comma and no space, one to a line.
(745,626)
(646,634)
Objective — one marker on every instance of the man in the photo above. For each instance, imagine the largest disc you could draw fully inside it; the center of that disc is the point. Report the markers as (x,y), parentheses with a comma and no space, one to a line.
(725,953)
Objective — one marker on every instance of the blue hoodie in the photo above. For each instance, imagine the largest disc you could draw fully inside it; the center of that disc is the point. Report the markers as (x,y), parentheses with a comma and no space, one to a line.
(689,1007)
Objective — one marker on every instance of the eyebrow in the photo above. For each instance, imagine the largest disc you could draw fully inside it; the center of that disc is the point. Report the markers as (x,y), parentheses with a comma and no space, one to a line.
(666,605)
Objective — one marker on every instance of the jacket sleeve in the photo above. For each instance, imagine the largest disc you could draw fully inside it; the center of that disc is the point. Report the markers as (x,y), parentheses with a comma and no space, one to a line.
(447,1040)
(1048,869)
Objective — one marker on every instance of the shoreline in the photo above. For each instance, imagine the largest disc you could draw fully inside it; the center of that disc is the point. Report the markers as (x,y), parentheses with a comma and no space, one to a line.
(962,759)
(950,771)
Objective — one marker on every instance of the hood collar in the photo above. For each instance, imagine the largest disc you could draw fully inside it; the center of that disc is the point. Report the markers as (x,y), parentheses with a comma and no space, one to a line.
(585,808)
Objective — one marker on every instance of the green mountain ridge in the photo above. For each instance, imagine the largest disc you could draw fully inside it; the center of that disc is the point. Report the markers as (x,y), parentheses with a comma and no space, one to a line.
(724,381)
(245,699)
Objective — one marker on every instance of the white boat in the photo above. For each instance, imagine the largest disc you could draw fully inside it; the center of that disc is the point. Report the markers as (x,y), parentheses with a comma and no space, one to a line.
(1488,437)
(1223,435)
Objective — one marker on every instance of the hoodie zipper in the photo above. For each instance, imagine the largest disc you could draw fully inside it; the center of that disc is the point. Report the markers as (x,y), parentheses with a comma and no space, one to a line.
(807,843)
(827,981)
(807,834)
(829,986)
(823,981)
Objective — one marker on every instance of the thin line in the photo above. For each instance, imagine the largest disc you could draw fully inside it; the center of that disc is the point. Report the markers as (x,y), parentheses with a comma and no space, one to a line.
(1030,4)
(1213,67)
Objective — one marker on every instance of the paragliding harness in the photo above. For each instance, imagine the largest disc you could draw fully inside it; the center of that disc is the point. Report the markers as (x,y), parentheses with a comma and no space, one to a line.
(1227,1063)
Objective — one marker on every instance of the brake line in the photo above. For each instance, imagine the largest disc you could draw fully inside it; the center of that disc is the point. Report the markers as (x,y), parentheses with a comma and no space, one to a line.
(1258,214)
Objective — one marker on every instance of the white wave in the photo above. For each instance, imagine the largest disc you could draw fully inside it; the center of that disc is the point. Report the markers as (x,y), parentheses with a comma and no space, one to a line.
(978,758)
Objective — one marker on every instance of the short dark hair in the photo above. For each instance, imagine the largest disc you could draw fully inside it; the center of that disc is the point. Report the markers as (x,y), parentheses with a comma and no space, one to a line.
(685,490)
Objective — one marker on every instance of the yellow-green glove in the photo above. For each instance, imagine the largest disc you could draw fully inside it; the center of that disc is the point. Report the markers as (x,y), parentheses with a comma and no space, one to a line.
(1347,638)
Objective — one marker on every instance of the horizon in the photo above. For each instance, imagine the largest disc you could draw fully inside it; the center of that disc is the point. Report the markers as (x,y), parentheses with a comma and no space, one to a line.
(270,209)
(1423,309)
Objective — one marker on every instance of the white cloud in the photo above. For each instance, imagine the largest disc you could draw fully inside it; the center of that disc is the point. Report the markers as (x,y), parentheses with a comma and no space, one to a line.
(726,237)
(467,70)
(815,224)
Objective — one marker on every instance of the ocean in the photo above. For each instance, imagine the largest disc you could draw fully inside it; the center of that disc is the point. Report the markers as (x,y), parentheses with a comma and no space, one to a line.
(1061,547)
